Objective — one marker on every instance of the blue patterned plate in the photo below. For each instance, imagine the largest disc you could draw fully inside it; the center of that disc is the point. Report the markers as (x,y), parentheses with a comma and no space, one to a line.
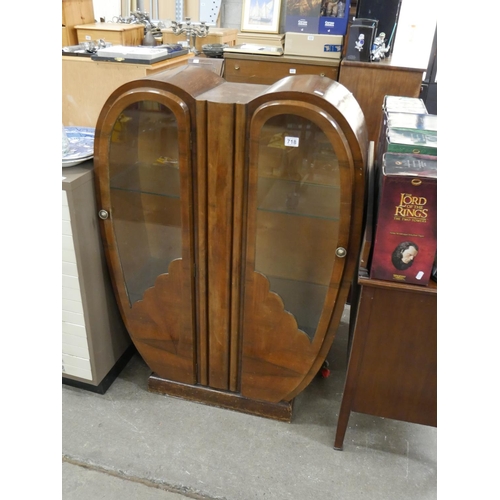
(81,145)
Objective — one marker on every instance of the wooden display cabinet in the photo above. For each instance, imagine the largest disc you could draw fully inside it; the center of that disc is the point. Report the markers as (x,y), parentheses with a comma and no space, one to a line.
(231,215)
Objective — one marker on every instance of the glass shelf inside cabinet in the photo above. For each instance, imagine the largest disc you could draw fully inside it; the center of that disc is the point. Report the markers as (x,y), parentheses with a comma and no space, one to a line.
(298,210)
(145,193)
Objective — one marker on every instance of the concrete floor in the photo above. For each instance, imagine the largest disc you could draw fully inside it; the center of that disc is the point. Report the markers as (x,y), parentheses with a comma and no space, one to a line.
(132,444)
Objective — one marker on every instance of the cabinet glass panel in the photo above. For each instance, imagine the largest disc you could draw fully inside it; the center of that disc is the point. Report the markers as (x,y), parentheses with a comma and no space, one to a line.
(145,193)
(298,206)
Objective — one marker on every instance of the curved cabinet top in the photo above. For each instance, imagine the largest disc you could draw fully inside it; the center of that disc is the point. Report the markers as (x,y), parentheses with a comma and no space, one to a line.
(330,95)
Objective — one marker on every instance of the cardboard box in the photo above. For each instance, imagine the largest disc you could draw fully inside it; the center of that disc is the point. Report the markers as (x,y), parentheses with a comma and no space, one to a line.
(114,33)
(302,17)
(406,232)
(334,17)
(215,35)
(305,44)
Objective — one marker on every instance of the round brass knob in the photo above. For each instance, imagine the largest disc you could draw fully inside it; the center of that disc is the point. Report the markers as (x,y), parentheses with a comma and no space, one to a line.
(236,67)
(341,252)
(103,214)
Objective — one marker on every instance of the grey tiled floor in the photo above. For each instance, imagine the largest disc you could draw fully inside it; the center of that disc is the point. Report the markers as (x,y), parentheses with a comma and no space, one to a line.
(133,444)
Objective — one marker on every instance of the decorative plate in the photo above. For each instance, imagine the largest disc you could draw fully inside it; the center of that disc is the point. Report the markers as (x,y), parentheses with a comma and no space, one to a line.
(81,145)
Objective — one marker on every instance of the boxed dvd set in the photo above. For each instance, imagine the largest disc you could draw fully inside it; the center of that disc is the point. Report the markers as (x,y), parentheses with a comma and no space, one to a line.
(334,17)
(404,104)
(302,17)
(411,141)
(406,115)
(406,234)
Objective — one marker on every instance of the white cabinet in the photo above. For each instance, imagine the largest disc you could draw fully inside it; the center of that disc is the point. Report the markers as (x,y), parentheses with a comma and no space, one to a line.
(95,343)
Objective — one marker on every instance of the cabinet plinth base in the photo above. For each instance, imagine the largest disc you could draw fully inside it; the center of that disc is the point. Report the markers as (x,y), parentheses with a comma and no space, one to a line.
(200,394)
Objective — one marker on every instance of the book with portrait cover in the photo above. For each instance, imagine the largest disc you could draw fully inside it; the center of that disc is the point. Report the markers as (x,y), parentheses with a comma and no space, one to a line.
(406,232)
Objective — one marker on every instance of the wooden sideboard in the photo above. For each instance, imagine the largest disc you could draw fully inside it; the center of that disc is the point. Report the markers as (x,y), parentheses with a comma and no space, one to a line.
(252,68)
(392,370)
(371,82)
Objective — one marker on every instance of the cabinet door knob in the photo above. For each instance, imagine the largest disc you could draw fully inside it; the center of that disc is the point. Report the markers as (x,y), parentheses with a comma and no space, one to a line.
(236,67)
(341,252)
(321,74)
(103,214)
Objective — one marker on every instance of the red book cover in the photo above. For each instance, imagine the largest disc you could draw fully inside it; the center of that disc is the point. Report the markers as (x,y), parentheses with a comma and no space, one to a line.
(406,234)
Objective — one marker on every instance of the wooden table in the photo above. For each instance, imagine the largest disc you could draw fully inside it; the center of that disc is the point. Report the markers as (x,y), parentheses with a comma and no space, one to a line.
(392,370)
(86,84)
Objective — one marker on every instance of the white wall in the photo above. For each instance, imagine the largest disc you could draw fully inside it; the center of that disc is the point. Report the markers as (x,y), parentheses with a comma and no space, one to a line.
(415,32)
(230,12)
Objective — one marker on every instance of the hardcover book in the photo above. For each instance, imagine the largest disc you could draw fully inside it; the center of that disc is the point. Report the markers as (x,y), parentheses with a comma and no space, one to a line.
(406,232)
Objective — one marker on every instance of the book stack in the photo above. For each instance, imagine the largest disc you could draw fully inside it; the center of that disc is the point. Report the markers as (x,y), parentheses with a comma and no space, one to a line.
(405,243)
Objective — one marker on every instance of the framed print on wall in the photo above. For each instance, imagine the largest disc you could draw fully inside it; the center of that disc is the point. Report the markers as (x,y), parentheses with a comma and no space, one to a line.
(261,16)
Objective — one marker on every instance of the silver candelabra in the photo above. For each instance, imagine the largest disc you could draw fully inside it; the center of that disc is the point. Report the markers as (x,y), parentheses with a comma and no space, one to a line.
(192,31)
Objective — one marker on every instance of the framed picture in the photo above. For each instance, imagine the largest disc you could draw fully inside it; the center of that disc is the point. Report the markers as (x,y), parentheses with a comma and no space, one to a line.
(261,16)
